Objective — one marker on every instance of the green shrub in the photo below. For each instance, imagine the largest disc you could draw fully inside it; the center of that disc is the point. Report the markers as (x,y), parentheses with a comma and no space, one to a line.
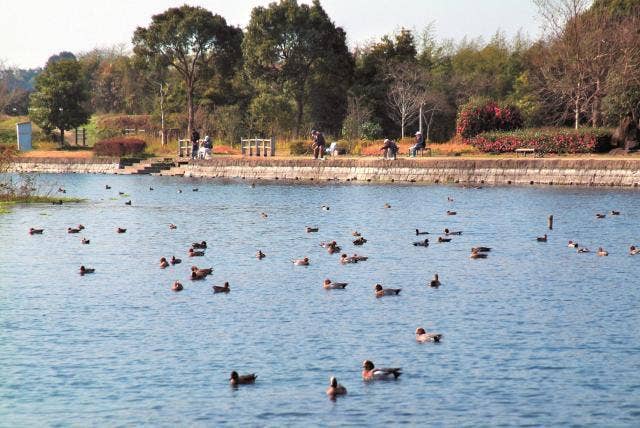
(298,148)
(371,131)
(119,147)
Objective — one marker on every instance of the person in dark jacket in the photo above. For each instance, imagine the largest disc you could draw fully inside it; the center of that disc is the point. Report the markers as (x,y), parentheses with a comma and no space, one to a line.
(389,149)
(420,144)
(318,144)
(195,137)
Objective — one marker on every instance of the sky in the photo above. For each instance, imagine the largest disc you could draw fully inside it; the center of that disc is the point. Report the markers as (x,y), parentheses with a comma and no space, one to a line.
(33,30)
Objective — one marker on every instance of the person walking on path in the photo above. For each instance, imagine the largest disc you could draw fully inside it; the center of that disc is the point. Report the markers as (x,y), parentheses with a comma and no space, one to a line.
(318,144)
(195,137)
(420,144)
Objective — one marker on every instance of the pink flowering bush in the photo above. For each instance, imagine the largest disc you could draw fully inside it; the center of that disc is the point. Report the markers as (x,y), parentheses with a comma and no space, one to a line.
(545,140)
(481,115)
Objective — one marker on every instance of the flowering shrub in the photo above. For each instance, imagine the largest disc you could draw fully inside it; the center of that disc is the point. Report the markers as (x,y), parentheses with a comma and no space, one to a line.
(479,116)
(119,147)
(546,140)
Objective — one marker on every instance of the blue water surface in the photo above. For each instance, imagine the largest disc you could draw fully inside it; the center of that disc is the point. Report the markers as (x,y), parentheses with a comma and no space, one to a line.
(534,335)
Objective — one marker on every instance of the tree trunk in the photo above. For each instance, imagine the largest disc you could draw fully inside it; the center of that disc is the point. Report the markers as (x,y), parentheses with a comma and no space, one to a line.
(163,130)
(190,126)
(576,110)
(299,114)
(61,138)
(595,108)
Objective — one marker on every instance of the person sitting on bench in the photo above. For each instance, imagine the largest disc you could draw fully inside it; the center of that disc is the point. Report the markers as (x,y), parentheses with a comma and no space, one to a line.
(419,145)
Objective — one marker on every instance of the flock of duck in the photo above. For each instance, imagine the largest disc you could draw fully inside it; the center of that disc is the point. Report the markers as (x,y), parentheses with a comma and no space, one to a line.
(369,371)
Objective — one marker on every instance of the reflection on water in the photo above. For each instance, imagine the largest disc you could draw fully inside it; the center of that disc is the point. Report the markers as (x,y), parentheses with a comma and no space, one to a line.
(536,334)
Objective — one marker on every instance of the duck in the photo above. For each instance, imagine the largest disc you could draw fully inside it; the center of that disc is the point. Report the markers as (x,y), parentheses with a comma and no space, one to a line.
(237,379)
(120,230)
(175,261)
(179,190)
(85,241)
(177,286)
(356,234)
(370,372)
(312,229)
(199,245)
(542,238)
(33,231)
(197,275)
(329,285)
(264,215)
(424,243)
(633,250)
(120,193)
(475,254)
(202,271)
(61,190)
(602,252)
(360,241)
(301,262)
(615,212)
(435,282)
(381,292)
(481,249)
(598,215)
(449,199)
(387,205)
(260,255)
(128,202)
(448,232)
(359,258)
(194,253)
(451,212)
(345,259)
(418,232)
(195,189)
(151,189)
(325,208)
(422,336)
(173,226)
(57,203)
(80,227)
(572,244)
(86,270)
(443,240)
(73,230)
(163,263)
(221,288)
(584,250)
(106,186)
(335,388)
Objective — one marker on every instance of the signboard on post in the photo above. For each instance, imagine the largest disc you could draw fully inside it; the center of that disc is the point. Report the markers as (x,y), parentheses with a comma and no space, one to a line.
(23,130)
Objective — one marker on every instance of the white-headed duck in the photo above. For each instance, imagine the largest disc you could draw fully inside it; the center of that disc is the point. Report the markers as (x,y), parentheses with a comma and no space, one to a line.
(633,250)
(237,379)
(175,261)
(360,241)
(424,243)
(121,230)
(199,245)
(325,208)
(335,388)
(602,252)
(542,238)
(422,336)
(194,253)
(381,292)
(177,286)
(435,282)
(33,231)
(221,288)
(310,229)
(370,372)
(418,232)
(85,241)
(260,255)
(86,270)
(301,262)
(572,244)
(163,263)
(329,285)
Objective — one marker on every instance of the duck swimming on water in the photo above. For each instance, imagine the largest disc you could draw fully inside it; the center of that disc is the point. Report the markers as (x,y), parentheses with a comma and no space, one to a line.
(370,372)
(329,285)
(335,388)
(422,336)
(381,292)
(237,379)
(221,289)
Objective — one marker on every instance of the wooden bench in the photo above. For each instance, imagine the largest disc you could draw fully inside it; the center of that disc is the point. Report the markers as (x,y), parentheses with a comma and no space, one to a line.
(422,151)
(525,152)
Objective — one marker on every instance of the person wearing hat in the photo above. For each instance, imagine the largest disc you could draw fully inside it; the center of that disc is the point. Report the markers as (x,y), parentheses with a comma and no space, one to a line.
(318,144)
(420,144)
(389,149)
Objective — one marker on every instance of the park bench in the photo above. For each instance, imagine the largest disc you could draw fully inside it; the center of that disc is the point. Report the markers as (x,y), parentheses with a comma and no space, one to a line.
(422,151)
(524,152)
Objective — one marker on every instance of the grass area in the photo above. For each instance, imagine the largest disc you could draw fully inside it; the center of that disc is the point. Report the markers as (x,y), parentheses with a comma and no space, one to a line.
(6,201)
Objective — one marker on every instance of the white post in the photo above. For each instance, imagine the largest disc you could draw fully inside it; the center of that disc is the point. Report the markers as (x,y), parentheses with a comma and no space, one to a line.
(420,120)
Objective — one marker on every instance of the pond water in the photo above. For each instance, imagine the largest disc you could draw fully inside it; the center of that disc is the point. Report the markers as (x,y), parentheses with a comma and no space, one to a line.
(536,334)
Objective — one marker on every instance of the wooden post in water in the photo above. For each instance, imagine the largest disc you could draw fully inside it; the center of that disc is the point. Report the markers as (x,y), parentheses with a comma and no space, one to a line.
(550,222)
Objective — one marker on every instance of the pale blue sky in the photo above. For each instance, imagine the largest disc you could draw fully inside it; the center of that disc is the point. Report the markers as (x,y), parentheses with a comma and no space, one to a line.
(32,30)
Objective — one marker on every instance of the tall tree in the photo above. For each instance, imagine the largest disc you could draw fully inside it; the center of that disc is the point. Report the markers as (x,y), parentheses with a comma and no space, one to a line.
(60,96)
(188,39)
(295,48)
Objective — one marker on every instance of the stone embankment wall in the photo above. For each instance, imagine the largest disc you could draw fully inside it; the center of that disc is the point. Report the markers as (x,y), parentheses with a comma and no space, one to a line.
(65,165)
(558,171)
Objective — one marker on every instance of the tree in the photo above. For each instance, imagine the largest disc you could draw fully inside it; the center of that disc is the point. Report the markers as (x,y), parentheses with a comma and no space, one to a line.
(406,94)
(296,48)
(189,39)
(60,96)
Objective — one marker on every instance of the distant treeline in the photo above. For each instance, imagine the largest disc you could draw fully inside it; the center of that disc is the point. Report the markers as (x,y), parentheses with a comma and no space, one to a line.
(290,71)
